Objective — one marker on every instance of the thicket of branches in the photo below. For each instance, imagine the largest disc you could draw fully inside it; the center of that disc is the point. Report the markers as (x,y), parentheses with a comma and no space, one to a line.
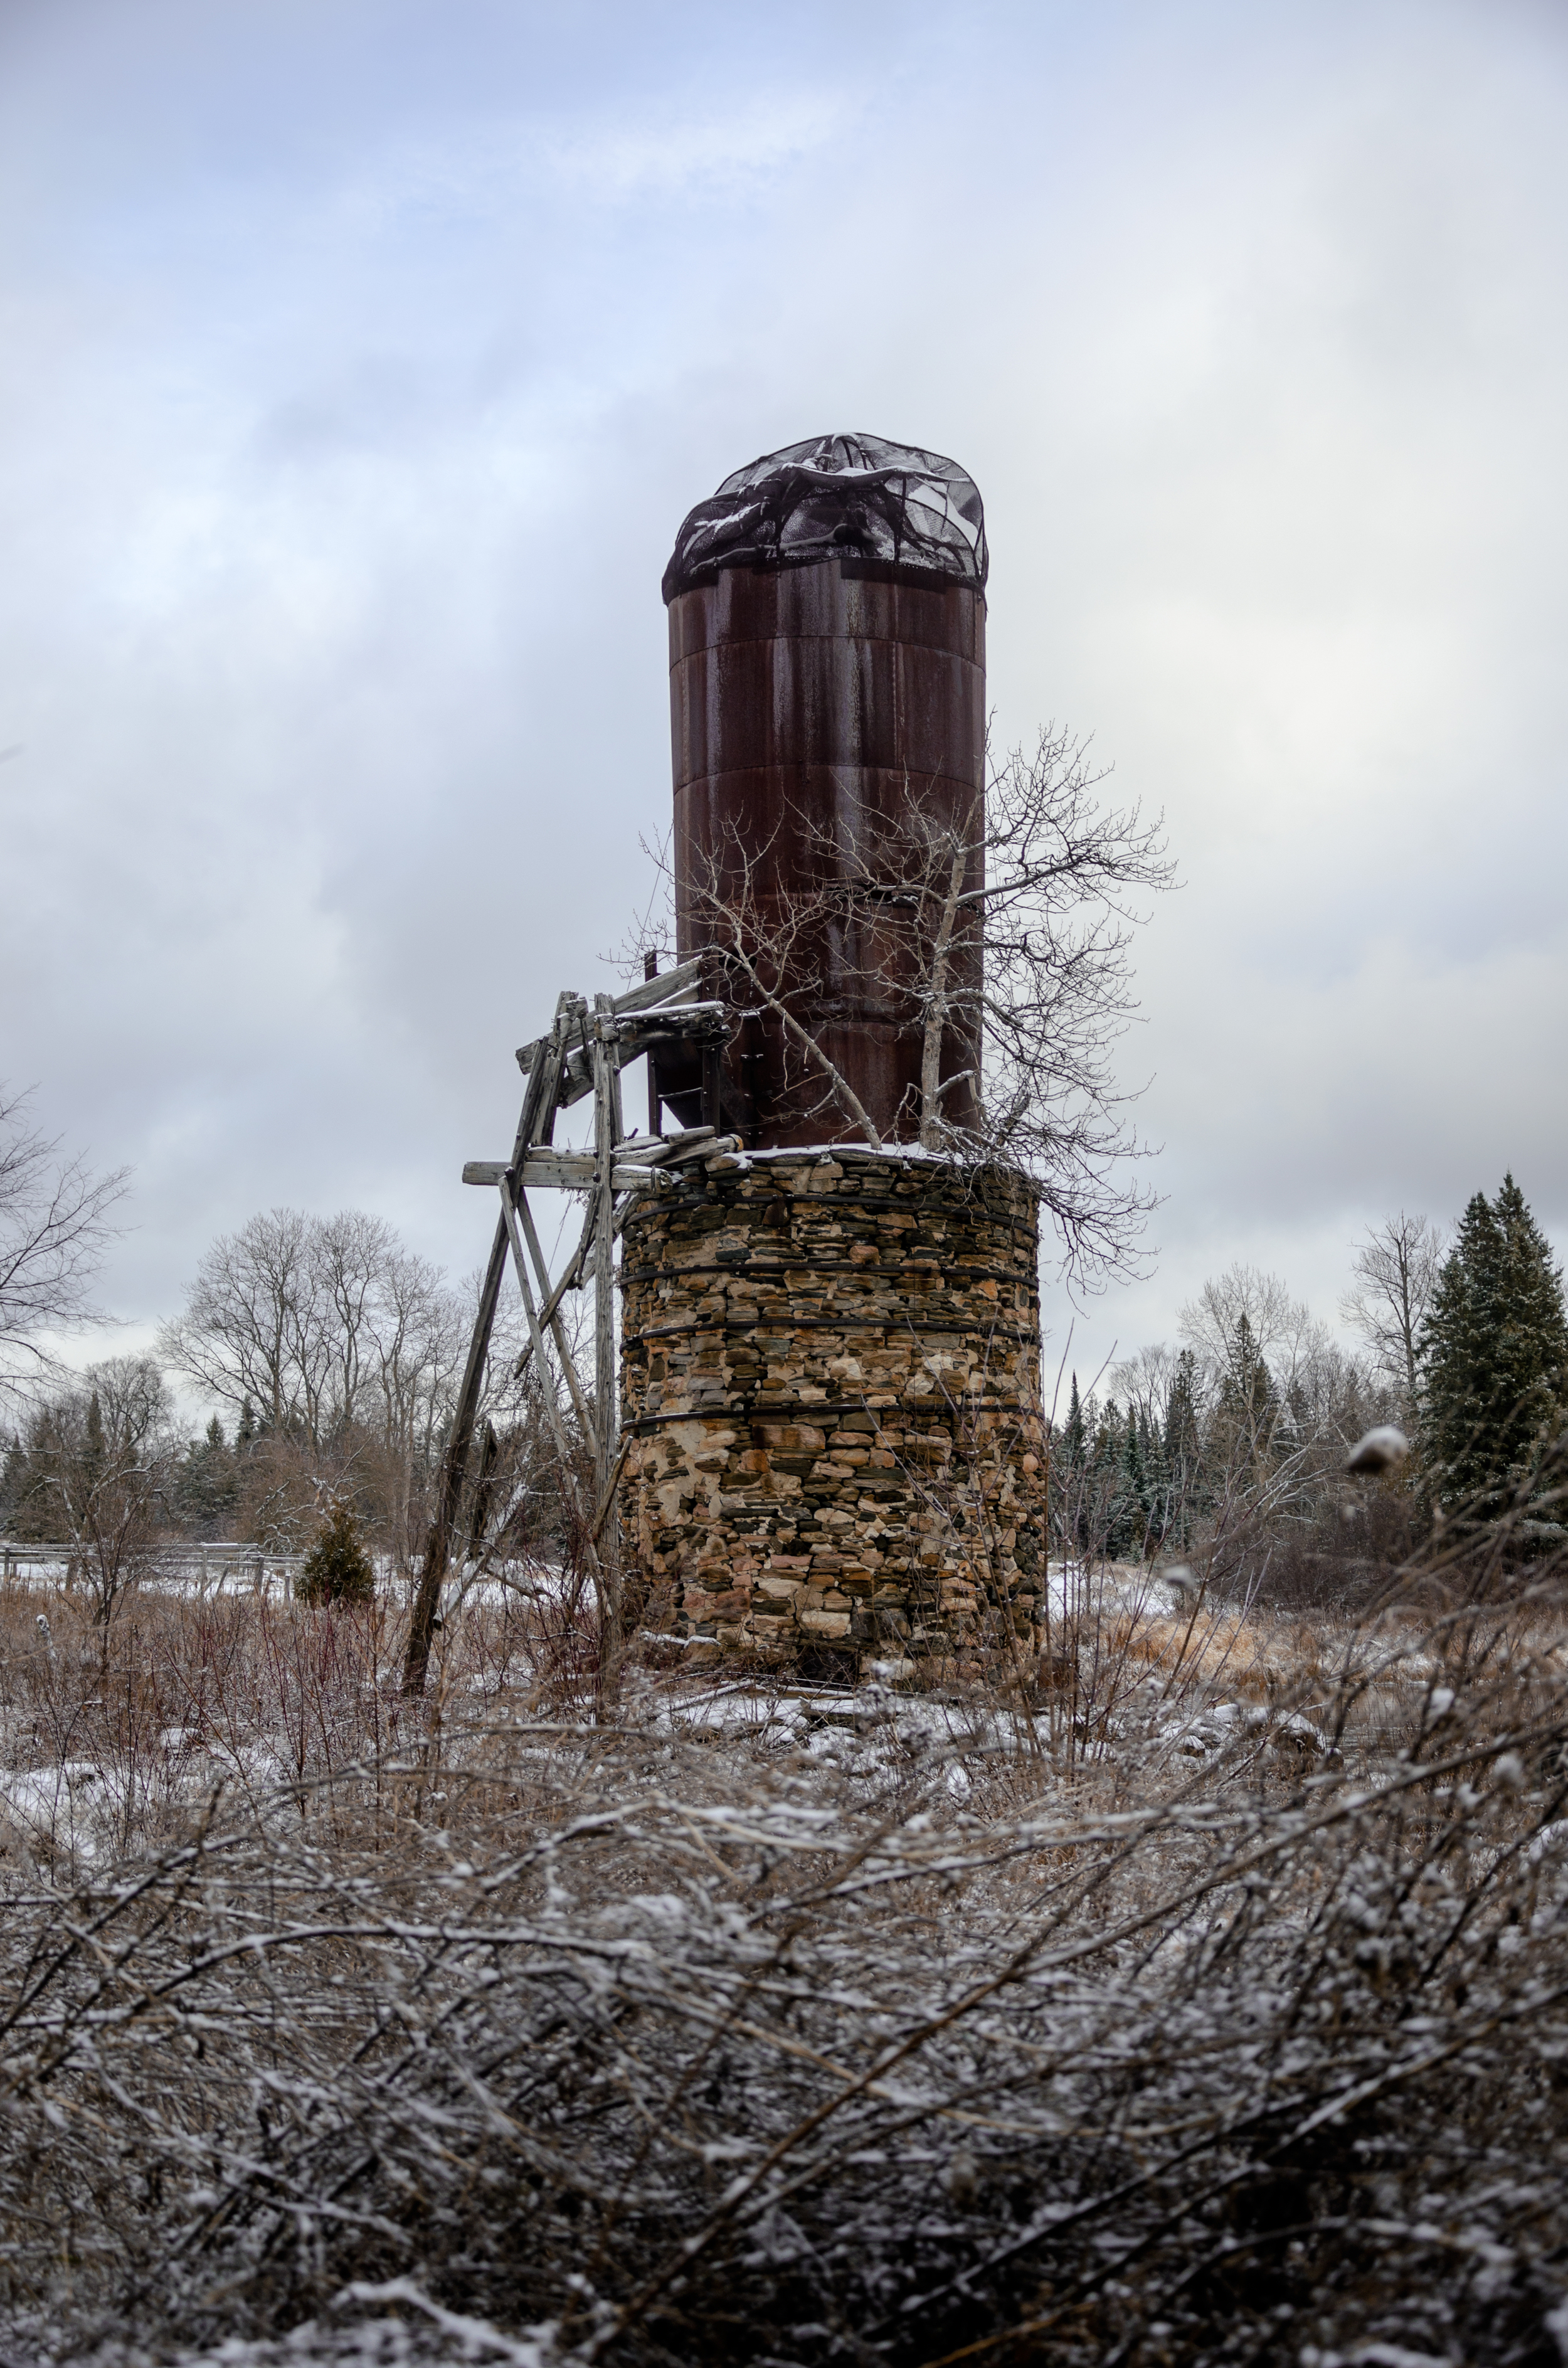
(1000,939)
(767,2041)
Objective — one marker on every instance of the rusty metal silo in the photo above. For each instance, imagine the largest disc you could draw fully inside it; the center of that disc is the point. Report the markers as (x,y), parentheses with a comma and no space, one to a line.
(827,683)
(830,1348)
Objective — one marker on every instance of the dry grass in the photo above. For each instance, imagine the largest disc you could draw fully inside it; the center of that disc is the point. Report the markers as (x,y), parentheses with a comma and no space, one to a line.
(1204,2000)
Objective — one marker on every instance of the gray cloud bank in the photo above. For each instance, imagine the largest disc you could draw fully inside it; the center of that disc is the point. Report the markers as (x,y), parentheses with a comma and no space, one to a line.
(358,366)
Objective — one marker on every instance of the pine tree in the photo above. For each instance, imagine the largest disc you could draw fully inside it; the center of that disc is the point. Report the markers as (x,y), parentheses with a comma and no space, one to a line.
(337,1569)
(208,1484)
(1072,1464)
(1184,1446)
(1074,1439)
(1249,1411)
(1493,1355)
(13,1480)
(1132,1507)
(1106,1492)
(1158,1507)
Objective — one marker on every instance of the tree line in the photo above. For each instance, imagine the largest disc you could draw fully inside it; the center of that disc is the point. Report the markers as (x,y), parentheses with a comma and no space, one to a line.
(331,1354)
(1236,1440)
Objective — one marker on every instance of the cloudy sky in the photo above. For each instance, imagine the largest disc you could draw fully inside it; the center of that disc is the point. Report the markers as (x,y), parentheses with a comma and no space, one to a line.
(358,361)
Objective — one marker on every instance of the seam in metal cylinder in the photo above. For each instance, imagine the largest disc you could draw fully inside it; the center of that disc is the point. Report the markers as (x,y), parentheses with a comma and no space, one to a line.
(827,699)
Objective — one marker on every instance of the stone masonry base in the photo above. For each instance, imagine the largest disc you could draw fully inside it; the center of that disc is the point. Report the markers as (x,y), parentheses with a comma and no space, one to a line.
(831,1386)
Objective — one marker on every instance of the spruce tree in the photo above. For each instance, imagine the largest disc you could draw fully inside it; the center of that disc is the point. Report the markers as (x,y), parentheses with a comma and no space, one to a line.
(1075,1441)
(1249,1410)
(208,1484)
(1493,1356)
(1073,1476)
(1184,1446)
(1133,1496)
(13,1481)
(337,1569)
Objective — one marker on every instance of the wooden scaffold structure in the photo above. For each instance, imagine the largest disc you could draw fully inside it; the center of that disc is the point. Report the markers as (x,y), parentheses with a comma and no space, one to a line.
(584,1053)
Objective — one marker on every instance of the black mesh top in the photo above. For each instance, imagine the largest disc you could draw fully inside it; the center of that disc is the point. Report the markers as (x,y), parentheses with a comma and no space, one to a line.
(835,497)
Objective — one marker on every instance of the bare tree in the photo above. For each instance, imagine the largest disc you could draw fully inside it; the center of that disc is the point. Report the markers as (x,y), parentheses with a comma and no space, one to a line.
(245,1316)
(1279,1327)
(346,1344)
(104,1455)
(54,1228)
(1145,1380)
(770,951)
(1003,937)
(1015,932)
(319,1322)
(1396,1270)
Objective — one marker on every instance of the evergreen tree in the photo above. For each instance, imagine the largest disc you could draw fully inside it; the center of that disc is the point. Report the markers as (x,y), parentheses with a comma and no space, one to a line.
(1493,1355)
(1075,1438)
(1110,1515)
(208,1484)
(337,1569)
(245,1436)
(1132,1507)
(1184,1446)
(1157,1503)
(13,1481)
(1073,1468)
(1249,1412)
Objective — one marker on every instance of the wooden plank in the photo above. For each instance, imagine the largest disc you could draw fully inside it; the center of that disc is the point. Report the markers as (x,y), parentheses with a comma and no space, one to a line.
(618,1115)
(665,987)
(605,1373)
(544,1077)
(640,1165)
(658,1150)
(608,1498)
(573,1272)
(549,1316)
(565,1171)
(712,1148)
(535,1340)
(552,1067)
(454,1464)
(636,1036)
(656,1107)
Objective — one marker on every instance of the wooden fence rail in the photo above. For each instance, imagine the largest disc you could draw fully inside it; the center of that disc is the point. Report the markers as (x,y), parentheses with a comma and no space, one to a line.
(214,1564)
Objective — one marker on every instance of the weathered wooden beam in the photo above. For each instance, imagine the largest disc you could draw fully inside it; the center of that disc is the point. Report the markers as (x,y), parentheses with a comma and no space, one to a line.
(661,986)
(454,1464)
(550,1069)
(535,1337)
(605,1135)
(632,1037)
(655,1109)
(564,1171)
(713,1148)
(549,1316)
(572,1273)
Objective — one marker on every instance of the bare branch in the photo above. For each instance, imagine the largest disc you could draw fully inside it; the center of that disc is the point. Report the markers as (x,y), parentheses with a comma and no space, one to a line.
(54,1229)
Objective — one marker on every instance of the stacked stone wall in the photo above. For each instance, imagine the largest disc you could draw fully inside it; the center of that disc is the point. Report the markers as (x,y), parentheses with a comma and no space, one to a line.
(831,1386)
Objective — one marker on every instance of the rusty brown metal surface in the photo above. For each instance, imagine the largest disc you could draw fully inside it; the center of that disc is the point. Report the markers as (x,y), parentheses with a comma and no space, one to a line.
(810,705)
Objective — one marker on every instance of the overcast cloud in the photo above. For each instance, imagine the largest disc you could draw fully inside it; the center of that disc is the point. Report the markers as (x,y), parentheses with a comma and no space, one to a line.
(358,363)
